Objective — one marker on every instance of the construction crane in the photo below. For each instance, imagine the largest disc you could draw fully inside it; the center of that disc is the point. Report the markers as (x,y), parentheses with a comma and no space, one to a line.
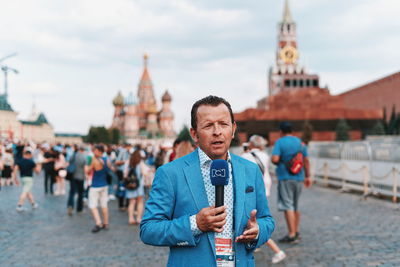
(6,69)
(10,55)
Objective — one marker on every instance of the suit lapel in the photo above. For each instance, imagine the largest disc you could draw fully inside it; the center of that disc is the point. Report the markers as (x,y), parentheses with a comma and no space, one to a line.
(196,186)
(195,181)
(239,187)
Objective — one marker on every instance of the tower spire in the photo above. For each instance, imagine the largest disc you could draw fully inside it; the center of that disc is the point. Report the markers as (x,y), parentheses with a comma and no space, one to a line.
(145,75)
(145,94)
(287,17)
(145,58)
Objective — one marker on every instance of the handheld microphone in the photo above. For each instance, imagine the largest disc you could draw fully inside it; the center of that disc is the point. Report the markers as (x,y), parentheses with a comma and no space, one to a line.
(219,174)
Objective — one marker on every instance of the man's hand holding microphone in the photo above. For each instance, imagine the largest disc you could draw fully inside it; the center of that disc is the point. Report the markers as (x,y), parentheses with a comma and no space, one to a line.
(211,219)
(214,218)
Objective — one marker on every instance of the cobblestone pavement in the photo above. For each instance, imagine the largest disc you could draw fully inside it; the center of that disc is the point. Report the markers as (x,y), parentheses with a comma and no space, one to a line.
(337,230)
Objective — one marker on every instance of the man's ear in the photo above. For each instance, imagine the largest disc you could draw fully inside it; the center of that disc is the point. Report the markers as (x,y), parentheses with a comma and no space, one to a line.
(193,134)
(233,129)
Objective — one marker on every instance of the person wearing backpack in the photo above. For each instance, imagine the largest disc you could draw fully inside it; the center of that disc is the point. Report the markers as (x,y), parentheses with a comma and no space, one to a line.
(134,187)
(256,153)
(291,158)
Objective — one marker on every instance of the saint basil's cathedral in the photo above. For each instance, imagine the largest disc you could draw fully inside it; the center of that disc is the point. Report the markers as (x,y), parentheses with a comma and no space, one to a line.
(137,116)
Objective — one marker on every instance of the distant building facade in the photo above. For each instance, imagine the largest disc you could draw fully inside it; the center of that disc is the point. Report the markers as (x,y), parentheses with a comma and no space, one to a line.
(137,117)
(296,96)
(36,128)
(68,138)
(383,93)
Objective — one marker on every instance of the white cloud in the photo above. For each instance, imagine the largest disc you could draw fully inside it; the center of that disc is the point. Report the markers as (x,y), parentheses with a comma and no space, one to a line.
(41,88)
(364,18)
(75,55)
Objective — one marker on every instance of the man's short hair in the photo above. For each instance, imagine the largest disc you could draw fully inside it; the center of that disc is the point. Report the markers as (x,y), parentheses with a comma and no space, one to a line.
(210,100)
(99,148)
(27,152)
(285,127)
(258,141)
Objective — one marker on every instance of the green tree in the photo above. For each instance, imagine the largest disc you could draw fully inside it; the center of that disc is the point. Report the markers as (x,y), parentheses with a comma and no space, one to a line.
(385,123)
(378,129)
(98,135)
(184,135)
(397,124)
(114,135)
(392,121)
(342,131)
(307,132)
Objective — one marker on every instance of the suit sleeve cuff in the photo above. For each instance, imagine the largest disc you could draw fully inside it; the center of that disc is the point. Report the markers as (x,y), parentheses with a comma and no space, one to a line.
(253,244)
(193,226)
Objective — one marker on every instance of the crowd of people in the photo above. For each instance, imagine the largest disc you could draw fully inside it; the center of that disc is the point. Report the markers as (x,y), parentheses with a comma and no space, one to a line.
(99,173)
(96,174)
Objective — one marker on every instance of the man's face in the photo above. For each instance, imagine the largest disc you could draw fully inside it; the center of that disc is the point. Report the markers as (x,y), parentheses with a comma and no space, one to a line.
(214,131)
(97,153)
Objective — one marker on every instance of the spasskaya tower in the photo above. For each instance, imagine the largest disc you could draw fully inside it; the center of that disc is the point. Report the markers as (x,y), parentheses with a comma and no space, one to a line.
(286,74)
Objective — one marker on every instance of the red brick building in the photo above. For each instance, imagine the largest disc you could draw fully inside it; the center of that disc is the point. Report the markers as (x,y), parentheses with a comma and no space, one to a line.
(379,94)
(315,106)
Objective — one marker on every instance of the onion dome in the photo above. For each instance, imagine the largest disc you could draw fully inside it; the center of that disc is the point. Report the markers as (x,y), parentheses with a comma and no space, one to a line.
(166,97)
(118,100)
(130,100)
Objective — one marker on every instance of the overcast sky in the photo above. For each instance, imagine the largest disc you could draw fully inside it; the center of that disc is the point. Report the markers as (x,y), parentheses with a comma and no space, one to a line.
(74,56)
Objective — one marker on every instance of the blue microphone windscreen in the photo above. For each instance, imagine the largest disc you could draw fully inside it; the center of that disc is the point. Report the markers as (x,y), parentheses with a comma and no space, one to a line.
(219,172)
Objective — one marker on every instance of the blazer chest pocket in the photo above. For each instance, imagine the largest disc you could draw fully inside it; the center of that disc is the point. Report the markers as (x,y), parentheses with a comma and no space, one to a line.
(250,200)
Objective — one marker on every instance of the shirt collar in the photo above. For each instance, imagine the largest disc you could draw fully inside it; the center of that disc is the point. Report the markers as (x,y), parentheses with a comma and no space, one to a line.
(204,159)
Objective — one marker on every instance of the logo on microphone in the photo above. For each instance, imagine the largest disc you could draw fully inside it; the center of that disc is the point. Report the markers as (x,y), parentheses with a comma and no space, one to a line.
(218,173)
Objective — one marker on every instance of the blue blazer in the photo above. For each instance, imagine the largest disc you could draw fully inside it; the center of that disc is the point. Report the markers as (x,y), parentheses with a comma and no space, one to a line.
(178,192)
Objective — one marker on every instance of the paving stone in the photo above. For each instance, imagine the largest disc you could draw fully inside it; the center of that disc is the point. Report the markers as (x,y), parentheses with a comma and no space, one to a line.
(337,230)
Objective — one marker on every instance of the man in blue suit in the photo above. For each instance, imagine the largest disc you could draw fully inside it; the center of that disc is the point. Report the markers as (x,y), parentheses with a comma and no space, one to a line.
(180,212)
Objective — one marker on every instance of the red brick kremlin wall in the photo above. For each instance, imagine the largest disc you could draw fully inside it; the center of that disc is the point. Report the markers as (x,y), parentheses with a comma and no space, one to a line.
(381,93)
(316,106)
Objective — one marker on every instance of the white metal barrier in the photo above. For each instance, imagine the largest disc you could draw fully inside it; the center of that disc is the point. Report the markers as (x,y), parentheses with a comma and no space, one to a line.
(372,167)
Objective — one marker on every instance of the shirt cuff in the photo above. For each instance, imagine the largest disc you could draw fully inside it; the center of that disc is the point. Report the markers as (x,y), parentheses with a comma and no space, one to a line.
(193,226)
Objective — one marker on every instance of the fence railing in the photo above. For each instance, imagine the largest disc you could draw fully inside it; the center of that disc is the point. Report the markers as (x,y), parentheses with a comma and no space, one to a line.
(372,167)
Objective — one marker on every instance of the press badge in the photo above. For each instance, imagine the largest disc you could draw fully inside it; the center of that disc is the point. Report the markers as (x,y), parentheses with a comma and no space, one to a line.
(225,253)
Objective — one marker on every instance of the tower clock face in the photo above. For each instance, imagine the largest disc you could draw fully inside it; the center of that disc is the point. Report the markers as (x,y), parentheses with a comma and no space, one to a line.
(289,54)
